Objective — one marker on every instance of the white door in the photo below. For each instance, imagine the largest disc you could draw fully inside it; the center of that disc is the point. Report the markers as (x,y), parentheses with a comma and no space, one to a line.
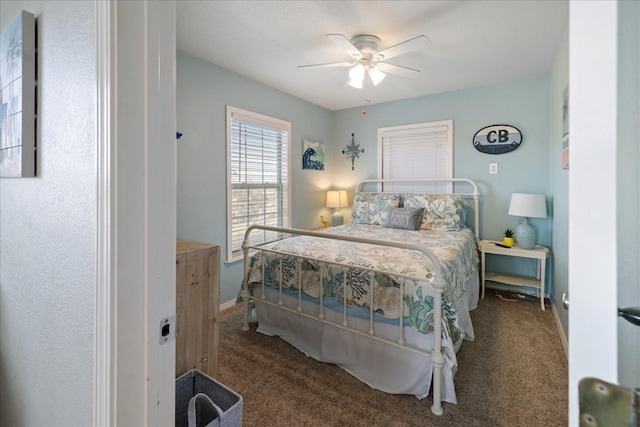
(628,189)
(136,213)
(604,190)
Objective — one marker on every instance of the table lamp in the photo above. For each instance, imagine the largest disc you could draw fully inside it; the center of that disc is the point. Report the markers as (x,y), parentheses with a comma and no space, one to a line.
(337,199)
(527,206)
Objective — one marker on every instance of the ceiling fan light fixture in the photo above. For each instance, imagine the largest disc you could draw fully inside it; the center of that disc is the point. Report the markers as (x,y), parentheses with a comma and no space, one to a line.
(367,58)
(356,76)
(376,76)
(357,84)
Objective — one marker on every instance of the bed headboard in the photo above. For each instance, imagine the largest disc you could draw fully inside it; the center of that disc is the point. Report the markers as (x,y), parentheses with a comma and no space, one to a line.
(469,185)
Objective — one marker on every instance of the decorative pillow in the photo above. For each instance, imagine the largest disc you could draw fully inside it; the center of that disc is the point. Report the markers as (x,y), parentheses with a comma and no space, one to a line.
(371,208)
(463,213)
(442,211)
(404,218)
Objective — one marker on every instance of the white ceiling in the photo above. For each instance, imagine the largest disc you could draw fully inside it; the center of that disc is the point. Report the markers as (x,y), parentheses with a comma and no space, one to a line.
(474,43)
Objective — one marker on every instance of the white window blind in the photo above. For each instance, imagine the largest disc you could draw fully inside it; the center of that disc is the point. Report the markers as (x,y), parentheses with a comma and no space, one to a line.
(423,150)
(258,177)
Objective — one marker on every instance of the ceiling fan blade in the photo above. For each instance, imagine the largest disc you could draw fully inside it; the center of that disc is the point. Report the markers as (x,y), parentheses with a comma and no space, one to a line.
(345,44)
(396,69)
(331,64)
(415,43)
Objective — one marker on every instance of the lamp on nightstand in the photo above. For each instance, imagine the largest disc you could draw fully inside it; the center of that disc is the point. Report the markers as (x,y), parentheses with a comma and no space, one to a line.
(337,200)
(527,206)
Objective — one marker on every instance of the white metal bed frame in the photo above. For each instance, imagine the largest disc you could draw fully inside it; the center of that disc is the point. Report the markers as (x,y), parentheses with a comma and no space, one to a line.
(436,282)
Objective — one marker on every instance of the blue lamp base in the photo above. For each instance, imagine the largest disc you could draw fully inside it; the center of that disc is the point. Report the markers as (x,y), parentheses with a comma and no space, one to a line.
(526,235)
(337,219)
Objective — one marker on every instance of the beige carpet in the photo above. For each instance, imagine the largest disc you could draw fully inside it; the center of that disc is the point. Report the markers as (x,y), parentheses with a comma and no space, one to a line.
(513,374)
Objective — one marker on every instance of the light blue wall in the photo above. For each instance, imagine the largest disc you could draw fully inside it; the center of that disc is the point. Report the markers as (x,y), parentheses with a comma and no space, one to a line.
(560,182)
(523,104)
(205,89)
(203,92)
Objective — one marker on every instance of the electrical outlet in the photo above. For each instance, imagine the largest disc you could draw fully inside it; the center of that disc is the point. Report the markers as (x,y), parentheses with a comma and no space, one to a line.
(493,168)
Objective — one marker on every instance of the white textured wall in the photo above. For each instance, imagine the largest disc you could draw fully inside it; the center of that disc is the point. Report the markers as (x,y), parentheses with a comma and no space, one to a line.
(47,227)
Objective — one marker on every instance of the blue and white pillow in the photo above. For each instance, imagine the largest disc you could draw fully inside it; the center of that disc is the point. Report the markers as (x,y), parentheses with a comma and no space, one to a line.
(372,208)
(442,211)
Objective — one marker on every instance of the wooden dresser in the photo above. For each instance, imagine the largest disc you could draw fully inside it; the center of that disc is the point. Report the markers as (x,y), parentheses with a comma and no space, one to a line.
(197,306)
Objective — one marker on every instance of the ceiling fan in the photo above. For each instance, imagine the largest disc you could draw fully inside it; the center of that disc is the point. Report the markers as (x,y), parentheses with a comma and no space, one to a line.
(366,58)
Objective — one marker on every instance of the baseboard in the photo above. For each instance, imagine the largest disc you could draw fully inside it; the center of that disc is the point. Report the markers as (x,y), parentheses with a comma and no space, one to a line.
(227,305)
(563,337)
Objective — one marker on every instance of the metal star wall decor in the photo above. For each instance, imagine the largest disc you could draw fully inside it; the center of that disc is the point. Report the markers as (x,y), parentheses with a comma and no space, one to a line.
(352,151)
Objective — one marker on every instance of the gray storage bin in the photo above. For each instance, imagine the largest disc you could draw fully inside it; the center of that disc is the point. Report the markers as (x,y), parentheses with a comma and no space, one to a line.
(202,401)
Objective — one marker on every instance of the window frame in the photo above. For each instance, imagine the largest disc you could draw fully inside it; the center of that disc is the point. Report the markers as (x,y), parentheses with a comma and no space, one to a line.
(425,127)
(260,120)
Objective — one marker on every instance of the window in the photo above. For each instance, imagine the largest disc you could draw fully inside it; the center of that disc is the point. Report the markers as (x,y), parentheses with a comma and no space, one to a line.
(423,150)
(258,190)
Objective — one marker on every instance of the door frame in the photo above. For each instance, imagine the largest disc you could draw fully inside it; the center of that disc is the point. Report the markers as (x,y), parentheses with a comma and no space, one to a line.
(593,168)
(134,375)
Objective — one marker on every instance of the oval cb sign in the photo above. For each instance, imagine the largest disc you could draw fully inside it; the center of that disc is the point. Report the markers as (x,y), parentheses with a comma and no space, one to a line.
(497,139)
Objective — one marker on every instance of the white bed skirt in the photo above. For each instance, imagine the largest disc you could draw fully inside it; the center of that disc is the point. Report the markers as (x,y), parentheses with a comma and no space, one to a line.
(385,367)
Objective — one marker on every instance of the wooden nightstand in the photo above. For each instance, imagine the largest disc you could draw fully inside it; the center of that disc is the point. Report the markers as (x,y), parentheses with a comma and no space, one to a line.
(540,253)
(197,303)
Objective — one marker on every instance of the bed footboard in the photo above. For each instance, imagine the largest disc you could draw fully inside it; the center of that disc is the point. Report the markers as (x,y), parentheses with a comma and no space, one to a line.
(436,282)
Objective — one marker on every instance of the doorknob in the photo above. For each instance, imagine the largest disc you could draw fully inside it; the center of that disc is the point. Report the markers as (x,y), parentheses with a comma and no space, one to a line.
(565,301)
(630,314)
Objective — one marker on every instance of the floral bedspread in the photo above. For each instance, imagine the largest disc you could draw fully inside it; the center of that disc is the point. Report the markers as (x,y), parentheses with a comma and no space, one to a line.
(456,251)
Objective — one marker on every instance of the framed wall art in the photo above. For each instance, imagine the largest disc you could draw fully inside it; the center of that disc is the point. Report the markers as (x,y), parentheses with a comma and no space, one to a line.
(17,97)
(312,155)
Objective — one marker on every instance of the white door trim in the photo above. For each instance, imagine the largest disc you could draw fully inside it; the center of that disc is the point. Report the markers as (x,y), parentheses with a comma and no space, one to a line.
(593,324)
(104,400)
(134,375)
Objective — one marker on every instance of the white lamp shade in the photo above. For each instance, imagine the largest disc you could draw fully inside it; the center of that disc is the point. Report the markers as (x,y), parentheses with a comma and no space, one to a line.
(337,199)
(356,76)
(528,205)
(376,76)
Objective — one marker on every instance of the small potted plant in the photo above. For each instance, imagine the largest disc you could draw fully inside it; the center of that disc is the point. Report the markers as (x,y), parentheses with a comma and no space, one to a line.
(508,238)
